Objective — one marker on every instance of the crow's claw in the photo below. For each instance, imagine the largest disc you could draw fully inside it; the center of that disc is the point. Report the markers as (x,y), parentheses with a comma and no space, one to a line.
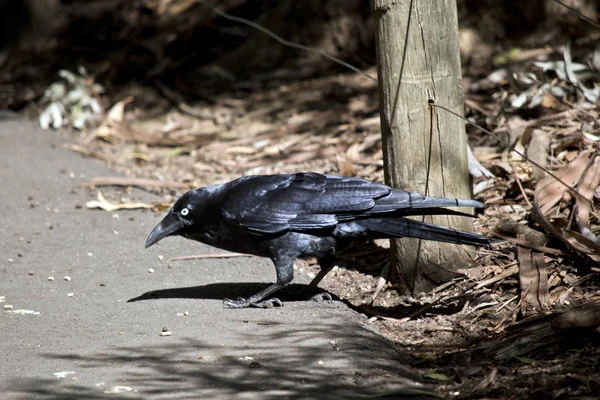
(269,303)
(240,302)
(324,296)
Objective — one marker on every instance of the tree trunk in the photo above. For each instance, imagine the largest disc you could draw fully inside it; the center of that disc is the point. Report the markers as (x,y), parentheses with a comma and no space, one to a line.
(431,72)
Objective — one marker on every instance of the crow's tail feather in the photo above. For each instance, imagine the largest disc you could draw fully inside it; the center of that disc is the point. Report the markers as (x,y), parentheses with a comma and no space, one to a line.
(403,227)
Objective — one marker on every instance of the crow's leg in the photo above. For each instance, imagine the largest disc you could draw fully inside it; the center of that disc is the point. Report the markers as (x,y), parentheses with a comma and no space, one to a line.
(285,274)
(326,263)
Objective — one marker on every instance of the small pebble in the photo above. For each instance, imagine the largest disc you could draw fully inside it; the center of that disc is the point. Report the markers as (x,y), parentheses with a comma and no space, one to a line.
(67,278)
(51,278)
(30,273)
(90,254)
(2,299)
(25,312)
(161,257)
(11,260)
(70,294)
(151,270)
(320,362)
(255,364)
(118,389)
(63,374)
(8,307)
(165,332)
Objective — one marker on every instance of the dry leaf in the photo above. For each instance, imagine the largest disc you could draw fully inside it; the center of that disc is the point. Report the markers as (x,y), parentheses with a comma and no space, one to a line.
(115,114)
(345,165)
(587,186)
(549,191)
(107,206)
(537,151)
(487,380)
(138,156)
(582,244)
(533,279)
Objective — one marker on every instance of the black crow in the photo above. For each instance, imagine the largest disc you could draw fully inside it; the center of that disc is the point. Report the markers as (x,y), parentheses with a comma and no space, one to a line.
(291,216)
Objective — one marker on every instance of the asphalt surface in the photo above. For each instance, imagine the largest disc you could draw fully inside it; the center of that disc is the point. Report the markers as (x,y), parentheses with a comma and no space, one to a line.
(84,339)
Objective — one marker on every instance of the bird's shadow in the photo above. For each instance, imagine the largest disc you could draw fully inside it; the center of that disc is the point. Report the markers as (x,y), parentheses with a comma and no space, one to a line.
(219,291)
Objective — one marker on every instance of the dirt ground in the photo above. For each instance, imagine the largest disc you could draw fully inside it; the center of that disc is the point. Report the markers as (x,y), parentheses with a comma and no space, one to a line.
(477,336)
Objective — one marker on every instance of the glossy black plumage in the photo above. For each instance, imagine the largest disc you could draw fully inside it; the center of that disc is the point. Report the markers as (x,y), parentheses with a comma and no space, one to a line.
(290,216)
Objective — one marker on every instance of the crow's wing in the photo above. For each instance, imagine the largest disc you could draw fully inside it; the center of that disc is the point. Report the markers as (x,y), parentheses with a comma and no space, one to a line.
(303,201)
(307,201)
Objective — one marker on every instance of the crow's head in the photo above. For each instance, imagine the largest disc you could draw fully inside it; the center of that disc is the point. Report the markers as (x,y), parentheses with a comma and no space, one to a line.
(185,213)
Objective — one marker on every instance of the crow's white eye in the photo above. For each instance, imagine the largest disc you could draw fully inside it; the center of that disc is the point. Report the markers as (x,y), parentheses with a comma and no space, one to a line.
(184,211)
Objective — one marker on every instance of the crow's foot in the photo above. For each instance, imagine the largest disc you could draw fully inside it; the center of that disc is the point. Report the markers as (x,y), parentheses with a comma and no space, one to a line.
(240,302)
(320,297)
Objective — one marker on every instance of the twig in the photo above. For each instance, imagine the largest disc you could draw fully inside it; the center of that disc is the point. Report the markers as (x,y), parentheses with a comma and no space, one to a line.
(207,256)
(580,15)
(507,302)
(126,181)
(446,285)
(511,271)
(527,245)
(282,40)
(499,324)
(539,120)
(90,153)
(521,187)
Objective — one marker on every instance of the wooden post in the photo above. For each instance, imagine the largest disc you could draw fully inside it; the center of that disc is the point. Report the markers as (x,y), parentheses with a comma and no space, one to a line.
(430,72)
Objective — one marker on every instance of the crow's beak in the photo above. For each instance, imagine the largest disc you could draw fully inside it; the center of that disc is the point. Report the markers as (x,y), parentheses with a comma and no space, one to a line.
(168,226)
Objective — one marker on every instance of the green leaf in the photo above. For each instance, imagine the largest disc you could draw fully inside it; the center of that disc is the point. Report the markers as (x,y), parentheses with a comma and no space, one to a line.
(436,376)
(525,360)
(506,57)
(175,152)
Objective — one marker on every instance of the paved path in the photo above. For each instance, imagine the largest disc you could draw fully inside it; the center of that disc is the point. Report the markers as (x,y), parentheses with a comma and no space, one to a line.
(114,348)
